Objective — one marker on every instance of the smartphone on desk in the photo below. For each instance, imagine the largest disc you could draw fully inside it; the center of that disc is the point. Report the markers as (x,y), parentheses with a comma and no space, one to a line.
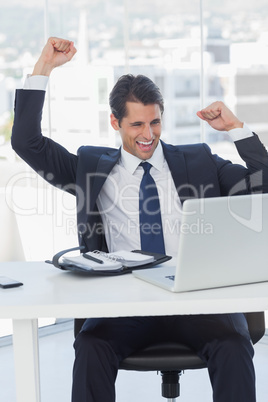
(6,282)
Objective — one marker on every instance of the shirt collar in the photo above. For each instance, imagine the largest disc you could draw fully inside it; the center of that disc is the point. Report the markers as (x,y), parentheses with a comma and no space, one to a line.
(131,162)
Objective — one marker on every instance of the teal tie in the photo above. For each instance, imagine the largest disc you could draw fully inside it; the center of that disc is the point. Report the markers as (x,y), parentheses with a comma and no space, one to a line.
(151,231)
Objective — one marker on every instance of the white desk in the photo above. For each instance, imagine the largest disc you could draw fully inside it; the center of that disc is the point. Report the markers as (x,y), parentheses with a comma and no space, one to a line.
(49,292)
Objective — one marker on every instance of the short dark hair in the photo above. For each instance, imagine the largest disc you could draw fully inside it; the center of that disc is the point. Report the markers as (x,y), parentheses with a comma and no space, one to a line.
(130,88)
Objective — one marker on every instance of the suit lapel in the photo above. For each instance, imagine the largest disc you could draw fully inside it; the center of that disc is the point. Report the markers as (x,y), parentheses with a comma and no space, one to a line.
(174,157)
(176,162)
(104,167)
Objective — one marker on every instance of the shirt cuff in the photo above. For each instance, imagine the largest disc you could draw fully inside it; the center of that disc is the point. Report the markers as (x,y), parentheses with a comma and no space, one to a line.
(36,82)
(240,133)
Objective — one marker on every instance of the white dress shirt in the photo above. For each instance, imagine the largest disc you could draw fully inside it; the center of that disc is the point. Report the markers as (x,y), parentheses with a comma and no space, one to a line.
(118,201)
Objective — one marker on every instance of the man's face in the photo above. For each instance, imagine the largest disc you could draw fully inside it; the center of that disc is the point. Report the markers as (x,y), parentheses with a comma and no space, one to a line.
(140,129)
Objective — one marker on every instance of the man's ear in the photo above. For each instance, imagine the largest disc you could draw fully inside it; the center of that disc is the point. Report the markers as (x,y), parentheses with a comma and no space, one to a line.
(114,122)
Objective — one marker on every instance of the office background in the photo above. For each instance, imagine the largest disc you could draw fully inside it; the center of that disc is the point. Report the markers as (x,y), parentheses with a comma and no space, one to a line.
(197,52)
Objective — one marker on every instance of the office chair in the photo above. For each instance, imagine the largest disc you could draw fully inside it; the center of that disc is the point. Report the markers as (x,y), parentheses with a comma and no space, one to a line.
(172,358)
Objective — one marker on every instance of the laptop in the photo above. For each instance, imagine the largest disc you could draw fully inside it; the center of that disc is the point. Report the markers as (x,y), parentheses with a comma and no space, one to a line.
(223,242)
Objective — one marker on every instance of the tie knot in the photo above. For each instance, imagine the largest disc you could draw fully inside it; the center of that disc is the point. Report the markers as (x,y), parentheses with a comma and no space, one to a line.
(146,166)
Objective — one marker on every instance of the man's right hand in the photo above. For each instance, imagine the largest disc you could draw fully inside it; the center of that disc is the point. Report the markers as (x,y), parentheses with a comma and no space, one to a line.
(56,52)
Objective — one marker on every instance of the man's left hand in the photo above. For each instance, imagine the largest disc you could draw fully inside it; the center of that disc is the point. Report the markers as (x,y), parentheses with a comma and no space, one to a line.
(219,117)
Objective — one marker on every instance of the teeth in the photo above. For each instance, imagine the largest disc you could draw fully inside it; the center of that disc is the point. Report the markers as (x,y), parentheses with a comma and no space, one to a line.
(145,143)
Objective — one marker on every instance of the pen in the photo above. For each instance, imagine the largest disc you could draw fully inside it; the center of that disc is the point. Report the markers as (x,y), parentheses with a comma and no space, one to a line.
(89,257)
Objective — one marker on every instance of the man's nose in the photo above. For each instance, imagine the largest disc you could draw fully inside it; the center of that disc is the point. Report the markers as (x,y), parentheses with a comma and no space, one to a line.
(148,132)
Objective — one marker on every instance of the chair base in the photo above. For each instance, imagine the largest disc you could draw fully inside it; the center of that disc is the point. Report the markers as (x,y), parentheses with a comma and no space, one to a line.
(170,384)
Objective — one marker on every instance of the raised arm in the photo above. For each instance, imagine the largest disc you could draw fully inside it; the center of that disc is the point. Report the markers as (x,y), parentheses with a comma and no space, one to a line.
(251,150)
(45,156)
(55,53)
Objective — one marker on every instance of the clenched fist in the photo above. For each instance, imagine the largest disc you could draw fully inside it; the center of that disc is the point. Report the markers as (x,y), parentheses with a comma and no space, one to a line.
(219,117)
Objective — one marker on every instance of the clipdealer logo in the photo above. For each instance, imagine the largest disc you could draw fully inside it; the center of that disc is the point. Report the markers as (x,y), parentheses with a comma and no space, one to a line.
(252,214)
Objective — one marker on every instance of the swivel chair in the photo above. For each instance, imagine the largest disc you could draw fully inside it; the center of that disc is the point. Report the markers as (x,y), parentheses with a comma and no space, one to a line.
(172,358)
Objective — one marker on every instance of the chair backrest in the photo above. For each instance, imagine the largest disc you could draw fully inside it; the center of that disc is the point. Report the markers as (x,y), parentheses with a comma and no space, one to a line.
(78,323)
(256,325)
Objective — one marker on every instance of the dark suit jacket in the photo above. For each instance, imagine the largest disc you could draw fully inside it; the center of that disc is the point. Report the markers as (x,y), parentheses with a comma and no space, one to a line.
(195,171)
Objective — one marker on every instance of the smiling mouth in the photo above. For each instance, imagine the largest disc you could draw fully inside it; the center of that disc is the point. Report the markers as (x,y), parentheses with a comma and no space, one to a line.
(145,145)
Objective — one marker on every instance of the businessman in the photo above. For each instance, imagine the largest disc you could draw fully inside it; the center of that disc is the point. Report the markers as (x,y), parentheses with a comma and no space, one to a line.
(114,211)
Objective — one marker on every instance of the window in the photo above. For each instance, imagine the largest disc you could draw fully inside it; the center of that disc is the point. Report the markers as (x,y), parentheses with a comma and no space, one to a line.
(104,123)
(103,91)
(236,42)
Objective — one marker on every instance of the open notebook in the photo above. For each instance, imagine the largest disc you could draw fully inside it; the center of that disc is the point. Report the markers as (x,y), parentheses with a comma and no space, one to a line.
(100,263)
(99,260)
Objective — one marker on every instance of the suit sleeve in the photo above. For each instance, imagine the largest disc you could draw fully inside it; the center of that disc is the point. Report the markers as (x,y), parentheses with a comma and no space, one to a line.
(48,158)
(237,179)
